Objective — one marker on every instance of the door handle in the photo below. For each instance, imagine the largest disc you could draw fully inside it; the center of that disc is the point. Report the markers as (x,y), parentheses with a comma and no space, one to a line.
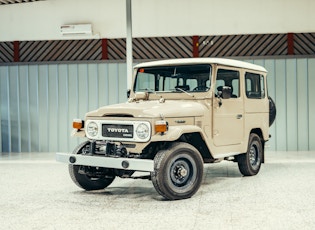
(239,116)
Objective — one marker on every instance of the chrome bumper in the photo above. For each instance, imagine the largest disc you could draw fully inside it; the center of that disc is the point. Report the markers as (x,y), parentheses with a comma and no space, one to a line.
(107,162)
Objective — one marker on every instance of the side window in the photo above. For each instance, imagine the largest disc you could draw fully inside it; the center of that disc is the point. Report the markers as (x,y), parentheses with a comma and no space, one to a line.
(255,85)
(235,87)
(219,83)
(230,78)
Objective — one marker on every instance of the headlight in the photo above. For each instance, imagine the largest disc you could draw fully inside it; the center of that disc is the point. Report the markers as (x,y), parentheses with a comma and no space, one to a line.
(92,129)
(142,131)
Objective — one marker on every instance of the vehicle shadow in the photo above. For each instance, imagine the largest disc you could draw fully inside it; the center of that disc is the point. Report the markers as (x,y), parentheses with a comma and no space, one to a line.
(128,192)
(214,173)
(144,189)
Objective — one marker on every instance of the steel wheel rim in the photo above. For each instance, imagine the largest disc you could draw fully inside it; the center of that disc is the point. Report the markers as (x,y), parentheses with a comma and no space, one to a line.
(181,172)
(254,158)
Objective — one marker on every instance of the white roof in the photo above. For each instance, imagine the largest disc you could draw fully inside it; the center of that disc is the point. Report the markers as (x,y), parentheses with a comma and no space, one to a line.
(187,61)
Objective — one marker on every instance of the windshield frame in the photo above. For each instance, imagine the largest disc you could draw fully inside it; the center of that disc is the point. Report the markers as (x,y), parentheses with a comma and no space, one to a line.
(182,78)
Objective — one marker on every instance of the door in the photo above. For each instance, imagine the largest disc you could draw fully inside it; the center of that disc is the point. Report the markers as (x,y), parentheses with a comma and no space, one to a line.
(228,114)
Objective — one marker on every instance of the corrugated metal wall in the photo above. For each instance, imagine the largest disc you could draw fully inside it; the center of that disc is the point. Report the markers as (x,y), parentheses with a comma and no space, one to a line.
(38,102)
(291,83)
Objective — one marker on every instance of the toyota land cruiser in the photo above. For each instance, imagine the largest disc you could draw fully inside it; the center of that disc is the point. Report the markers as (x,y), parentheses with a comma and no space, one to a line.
(180,115)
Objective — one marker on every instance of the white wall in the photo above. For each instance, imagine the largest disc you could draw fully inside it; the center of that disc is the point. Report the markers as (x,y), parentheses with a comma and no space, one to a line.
(42,20)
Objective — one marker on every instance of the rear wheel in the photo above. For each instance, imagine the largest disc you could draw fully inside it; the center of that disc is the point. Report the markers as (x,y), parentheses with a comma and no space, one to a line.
(90,178)
(249,163)
(178,171)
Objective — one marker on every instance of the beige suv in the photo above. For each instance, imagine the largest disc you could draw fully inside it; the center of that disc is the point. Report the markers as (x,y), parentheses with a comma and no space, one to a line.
(180,114)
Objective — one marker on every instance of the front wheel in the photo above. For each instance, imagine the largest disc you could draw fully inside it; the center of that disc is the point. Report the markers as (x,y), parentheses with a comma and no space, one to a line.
(90,178)
(178,171)
(249,163)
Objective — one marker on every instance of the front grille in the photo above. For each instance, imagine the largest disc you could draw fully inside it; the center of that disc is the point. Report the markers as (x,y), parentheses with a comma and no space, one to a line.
(117,131)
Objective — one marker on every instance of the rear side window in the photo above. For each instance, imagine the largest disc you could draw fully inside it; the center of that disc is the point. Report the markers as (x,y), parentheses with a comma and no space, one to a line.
(255,85)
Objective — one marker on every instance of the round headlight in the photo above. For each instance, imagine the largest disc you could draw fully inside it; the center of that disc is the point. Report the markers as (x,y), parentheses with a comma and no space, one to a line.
(92,129)
(142,131)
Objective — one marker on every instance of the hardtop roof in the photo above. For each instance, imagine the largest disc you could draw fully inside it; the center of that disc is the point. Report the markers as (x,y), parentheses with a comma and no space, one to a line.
(187,61)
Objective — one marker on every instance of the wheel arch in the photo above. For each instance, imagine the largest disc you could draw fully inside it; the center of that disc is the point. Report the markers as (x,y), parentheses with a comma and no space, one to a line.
(195,139)
(186,133)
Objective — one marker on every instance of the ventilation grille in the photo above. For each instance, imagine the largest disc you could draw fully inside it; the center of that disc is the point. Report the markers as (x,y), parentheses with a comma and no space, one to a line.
(254,45)
(6,52)
(71,50)
(243,45)
(304,43)
(152,48)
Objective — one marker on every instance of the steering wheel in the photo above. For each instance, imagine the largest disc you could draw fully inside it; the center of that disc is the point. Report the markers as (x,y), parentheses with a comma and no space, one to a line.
(201,88)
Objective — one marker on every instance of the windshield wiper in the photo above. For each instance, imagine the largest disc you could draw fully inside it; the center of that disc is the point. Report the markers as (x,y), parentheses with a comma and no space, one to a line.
(180,89)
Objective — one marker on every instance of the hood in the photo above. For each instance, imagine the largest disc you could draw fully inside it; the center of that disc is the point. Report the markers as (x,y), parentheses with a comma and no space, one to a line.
(149,109)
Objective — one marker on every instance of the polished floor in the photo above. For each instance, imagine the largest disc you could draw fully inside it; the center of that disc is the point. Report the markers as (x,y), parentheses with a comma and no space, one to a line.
(37,193)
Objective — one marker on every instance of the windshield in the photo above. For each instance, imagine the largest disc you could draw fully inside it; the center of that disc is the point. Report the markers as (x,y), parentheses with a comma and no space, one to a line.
(181,78)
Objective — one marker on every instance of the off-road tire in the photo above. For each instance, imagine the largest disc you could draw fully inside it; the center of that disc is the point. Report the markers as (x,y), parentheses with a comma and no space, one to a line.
(84,181)
(249,163)
(178,171)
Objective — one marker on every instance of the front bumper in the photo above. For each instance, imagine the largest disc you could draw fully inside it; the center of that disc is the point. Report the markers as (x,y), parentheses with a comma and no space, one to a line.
(107,162)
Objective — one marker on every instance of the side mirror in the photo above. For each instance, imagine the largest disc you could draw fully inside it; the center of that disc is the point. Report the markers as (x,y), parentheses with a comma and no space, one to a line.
(128,93)
(224,92)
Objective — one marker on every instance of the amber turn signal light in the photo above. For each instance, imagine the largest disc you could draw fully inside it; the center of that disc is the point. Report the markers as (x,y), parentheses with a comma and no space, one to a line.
(77,124)
(161,126)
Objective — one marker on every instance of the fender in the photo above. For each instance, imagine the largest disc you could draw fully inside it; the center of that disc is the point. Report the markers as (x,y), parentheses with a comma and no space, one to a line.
(78,133)
(175,132)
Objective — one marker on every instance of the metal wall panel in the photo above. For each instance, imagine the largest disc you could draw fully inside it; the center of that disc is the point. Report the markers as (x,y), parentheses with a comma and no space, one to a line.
(290,84)
(270,66)
(311,103)
(1,69)
(291,103)
(38,102)
(302,105)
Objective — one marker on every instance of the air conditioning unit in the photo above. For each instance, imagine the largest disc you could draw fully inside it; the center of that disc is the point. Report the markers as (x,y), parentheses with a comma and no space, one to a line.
(74,29)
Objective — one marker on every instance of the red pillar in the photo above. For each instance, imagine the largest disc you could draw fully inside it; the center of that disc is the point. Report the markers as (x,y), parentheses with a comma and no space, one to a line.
(104,49)
(195,46)
(16,50)
(290,38)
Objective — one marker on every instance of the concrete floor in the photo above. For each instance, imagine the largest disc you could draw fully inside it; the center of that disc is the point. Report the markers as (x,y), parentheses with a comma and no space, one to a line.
(37,193)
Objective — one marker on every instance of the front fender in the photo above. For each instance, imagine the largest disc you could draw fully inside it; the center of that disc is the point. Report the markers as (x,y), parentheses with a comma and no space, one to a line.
(175,132)
(78,133)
